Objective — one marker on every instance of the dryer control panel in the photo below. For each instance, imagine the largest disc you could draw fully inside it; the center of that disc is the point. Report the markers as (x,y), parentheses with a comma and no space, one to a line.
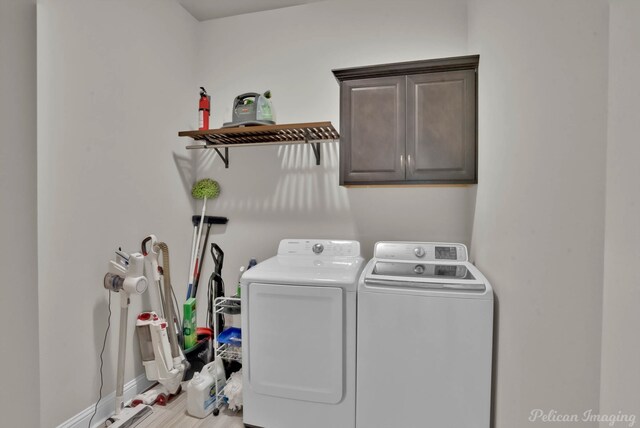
(423,251)
(319,248)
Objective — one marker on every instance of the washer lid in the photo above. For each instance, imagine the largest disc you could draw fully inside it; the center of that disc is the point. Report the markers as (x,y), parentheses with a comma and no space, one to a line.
(395,276)
(422,270)
(315,262)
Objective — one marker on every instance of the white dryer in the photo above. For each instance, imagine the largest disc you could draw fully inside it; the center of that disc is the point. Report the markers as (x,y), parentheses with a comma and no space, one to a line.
(299,336)
(425,323)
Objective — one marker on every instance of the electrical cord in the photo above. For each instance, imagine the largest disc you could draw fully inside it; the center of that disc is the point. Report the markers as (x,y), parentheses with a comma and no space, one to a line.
(104,344)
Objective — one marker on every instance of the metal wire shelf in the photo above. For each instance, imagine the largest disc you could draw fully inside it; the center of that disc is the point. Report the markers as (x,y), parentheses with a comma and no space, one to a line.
(224,351)
(229,352)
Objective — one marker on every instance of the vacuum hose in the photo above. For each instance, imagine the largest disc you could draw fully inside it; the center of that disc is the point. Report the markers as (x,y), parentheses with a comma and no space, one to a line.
(168,307)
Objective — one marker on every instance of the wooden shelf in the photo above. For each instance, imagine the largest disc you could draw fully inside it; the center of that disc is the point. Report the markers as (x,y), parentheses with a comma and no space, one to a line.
(312,133)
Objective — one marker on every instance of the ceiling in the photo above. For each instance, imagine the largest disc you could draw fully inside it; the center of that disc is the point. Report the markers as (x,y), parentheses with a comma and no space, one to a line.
(203,10)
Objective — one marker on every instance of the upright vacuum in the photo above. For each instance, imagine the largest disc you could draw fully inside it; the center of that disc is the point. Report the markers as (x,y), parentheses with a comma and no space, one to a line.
(162,355)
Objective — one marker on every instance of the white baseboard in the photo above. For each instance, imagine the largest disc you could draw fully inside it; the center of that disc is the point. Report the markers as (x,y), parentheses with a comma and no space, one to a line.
(107,405)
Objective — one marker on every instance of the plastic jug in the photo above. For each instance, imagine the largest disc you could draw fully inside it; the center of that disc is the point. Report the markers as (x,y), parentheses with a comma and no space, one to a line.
(201,390)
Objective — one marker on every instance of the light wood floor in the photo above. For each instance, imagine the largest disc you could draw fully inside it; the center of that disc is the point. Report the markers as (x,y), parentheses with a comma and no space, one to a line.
(175,414)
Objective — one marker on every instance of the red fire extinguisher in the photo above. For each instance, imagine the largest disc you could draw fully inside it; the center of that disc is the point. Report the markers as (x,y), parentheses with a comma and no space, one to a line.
(204,108)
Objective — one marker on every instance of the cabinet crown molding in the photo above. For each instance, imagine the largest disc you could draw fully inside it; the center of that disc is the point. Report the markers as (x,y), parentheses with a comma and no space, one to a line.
(468,62)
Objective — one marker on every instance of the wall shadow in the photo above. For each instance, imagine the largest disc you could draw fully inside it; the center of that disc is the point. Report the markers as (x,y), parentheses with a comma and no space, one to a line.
(272,183)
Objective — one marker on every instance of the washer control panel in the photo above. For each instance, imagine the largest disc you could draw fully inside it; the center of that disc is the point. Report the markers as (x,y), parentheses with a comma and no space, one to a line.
(319,247)
(424,251)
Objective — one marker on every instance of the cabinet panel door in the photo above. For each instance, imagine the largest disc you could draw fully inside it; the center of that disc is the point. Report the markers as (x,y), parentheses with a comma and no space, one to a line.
(372,119)
(441,127)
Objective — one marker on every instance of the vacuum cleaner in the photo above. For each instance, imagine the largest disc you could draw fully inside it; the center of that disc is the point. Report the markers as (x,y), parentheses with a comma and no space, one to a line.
(126,277)
(252,109)
(162,355)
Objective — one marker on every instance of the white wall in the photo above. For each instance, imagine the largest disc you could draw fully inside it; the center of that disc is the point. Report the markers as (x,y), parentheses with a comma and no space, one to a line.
(271,193)
(115,85)
(117,80)
(18,242)
(620,387)
(539,218)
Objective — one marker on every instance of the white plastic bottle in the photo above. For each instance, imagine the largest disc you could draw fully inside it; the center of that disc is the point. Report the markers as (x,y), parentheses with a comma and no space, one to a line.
(201,390)
(201,394)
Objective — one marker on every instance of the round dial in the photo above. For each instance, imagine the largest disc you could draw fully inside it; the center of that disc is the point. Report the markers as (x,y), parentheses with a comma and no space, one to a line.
(419,269)
(419,252)
(318,248)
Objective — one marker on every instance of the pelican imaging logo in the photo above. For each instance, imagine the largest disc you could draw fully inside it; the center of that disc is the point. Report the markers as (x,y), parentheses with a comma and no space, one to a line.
(615,419)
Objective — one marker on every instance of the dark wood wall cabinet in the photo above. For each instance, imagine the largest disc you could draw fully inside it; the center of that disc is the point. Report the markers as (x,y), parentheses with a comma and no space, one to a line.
(409,123)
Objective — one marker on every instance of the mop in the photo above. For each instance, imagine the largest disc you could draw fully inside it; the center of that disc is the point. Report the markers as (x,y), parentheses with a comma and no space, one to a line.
(203,189)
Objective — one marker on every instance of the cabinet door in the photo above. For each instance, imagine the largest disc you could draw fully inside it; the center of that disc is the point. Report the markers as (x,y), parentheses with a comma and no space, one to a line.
(372,121)
(441,127)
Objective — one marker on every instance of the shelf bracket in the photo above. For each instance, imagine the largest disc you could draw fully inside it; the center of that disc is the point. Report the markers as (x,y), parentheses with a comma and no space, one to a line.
(314,146)
(225,157)
(210,141)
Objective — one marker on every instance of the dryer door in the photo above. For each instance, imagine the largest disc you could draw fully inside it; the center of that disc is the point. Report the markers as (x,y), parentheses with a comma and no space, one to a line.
(295,339)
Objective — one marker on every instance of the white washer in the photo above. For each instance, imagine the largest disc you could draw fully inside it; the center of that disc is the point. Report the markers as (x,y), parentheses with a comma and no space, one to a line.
(425,323)
(299,336)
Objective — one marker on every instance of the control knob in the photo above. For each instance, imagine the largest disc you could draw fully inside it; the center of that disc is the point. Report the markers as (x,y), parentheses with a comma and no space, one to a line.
(419,252)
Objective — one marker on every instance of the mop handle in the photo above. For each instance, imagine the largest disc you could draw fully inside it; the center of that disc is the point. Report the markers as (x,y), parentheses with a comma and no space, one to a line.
(196,280)
(191,260)
(193,268)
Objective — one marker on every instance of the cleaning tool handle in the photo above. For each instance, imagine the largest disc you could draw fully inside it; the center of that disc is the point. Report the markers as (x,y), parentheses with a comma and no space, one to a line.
(192,258)
(240,99)
(193,268)
(246,95)
(168,304)
(204,248)
(196,246)
(218,257)
(151,254)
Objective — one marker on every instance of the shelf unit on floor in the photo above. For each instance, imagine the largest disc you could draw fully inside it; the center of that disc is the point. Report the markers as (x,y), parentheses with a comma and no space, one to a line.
(312,133)
(224,306)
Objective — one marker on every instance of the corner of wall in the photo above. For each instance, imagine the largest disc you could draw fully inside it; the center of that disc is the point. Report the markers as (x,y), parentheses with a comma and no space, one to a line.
(19,398)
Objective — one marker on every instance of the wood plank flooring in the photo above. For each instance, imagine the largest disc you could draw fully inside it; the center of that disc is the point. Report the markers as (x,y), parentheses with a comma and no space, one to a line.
(175,415)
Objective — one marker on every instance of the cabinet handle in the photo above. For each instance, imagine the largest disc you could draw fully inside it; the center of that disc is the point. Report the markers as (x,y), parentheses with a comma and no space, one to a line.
(408,161)
(401,161)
